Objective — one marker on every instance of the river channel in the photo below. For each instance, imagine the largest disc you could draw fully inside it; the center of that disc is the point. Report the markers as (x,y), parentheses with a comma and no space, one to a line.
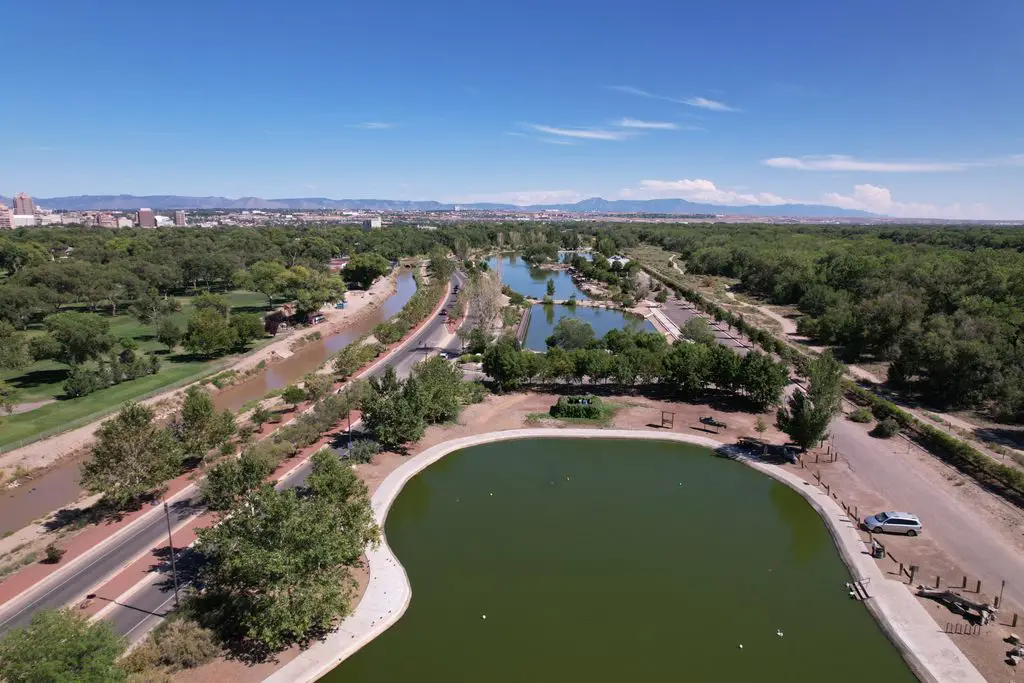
(60,487)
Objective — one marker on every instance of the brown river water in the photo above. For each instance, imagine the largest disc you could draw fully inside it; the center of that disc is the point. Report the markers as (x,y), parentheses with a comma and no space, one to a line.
(59,486)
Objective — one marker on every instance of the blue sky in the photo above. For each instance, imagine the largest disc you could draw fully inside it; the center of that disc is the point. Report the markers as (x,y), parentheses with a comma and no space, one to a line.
(913,107)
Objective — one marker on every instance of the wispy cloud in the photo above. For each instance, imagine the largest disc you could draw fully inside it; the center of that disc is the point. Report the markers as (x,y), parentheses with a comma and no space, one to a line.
(699,102)
(648,125)
(843,162)
(699,190)
(705,103)
(581,133)
(372,125)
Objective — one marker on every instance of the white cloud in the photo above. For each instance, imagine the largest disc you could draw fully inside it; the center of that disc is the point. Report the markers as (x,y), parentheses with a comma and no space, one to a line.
(865,197)
(522,198)
(705,103)
(372,125)
(583,133)
(699,190)
(650,125)
(701,102)
(842,162)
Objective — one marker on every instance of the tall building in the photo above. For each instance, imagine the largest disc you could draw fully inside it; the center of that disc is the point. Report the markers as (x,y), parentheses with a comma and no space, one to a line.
(145,218)
(179,219)
(6,218)
(23,205)
(372,223)
(106,220)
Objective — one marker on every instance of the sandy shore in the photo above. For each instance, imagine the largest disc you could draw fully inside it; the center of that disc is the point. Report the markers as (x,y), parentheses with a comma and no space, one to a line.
(49,451)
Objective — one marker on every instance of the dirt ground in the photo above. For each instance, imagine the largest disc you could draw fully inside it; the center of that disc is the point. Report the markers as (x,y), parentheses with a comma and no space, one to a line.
(516,410)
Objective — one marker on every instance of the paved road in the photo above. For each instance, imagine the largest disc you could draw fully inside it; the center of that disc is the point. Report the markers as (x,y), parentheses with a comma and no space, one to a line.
(956,528)
(151,603)
(145,608)
(679,311)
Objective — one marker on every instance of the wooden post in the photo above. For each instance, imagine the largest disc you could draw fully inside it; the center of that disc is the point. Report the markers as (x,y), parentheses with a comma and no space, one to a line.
(1014,619)
(963,586)
(978,589)
(938,580)
(913,573)
(901,569)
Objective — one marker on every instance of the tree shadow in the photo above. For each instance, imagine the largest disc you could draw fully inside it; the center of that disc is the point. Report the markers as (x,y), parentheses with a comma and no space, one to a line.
(1013,438)
(249,309)
(36,378)
(187,562)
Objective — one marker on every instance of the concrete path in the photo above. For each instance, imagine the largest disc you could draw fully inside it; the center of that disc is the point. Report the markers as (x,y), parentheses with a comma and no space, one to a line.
(930,653)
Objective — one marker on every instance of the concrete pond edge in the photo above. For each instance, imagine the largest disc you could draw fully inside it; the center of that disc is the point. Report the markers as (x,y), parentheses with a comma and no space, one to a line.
(929,652)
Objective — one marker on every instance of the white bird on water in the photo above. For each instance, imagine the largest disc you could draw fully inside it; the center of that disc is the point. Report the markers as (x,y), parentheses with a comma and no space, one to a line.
(778,632)
(741,646)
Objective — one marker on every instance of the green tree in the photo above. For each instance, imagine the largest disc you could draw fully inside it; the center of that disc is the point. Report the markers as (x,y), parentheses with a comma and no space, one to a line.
(698,330)
(168,334)
(393,410)
(215,302)
(150,306)
(233,479)
(247,327)
(551,287)
(724,367)
(267,278)
(502,362)
(363,269)
(606,247)
(275,570)
(572,333)
(477,341)
(336,483)
(687,366)
(441,384)
(293,395)
(131,457)
(317,386)
(762,379)
(59,646)
(14,351)
(209,333)
(806,416)
(199,427)
(79,336)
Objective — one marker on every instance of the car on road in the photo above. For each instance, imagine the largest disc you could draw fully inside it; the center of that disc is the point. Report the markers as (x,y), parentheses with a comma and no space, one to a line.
(893,523)
(444,312)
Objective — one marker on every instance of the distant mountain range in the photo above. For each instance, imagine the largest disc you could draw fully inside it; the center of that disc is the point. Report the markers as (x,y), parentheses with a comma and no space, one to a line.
(127,202)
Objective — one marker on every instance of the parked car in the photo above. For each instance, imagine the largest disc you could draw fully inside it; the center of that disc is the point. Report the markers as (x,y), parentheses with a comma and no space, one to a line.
(893,523)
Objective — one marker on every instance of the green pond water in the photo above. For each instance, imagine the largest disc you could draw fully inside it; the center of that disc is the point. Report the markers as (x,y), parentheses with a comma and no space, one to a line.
(531,281)
(544,317)
(617,561)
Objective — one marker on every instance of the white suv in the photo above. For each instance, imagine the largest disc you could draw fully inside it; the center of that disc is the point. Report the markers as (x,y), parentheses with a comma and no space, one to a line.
(893,523)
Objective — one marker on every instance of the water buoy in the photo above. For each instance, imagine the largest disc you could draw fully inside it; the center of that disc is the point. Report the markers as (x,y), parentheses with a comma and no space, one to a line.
(741,646)
(483,616)
(778,632)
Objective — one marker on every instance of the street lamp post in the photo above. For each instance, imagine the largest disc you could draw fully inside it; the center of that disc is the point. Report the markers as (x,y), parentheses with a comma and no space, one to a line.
(170,543)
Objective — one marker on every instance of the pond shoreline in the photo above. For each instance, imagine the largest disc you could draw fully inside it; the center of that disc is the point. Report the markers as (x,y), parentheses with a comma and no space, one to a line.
(930,654)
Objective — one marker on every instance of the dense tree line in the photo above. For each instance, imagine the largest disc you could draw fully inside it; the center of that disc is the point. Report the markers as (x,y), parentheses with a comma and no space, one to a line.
(943,307)
(626,359)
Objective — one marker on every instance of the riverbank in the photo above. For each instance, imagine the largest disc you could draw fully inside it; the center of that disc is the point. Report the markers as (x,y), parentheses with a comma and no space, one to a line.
(49,451)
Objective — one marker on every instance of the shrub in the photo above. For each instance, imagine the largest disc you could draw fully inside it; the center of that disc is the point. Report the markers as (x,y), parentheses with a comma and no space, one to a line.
(184,644)
(662,296)
(473,392)
(583,407)
(861,415)
(886,429)
(363,450)
(260,415)
(54,554)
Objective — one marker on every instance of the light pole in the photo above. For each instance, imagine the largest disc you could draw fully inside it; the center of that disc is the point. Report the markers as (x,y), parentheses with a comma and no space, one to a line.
(170,543)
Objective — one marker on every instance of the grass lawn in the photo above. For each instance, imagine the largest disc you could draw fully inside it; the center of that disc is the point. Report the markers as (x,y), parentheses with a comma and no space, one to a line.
(44,380)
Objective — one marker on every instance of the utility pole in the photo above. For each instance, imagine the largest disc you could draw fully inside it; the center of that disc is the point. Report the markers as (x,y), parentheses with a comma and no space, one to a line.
(170,543)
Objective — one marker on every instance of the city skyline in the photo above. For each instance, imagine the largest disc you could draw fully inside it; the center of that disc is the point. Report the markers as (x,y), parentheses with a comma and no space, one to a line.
(862,107)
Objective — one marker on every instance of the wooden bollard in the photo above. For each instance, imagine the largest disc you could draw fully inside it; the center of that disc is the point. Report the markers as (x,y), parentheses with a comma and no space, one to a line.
(901,568)
(938,581)
(963,586)
(978,589)
(1014,619)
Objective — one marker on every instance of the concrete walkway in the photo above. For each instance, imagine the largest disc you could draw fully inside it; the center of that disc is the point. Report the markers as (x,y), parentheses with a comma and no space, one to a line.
(929,652)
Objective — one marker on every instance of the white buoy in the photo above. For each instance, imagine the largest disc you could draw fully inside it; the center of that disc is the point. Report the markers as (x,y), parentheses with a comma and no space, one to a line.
(483,616)
(741,646)
(778,632)
(492,493)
